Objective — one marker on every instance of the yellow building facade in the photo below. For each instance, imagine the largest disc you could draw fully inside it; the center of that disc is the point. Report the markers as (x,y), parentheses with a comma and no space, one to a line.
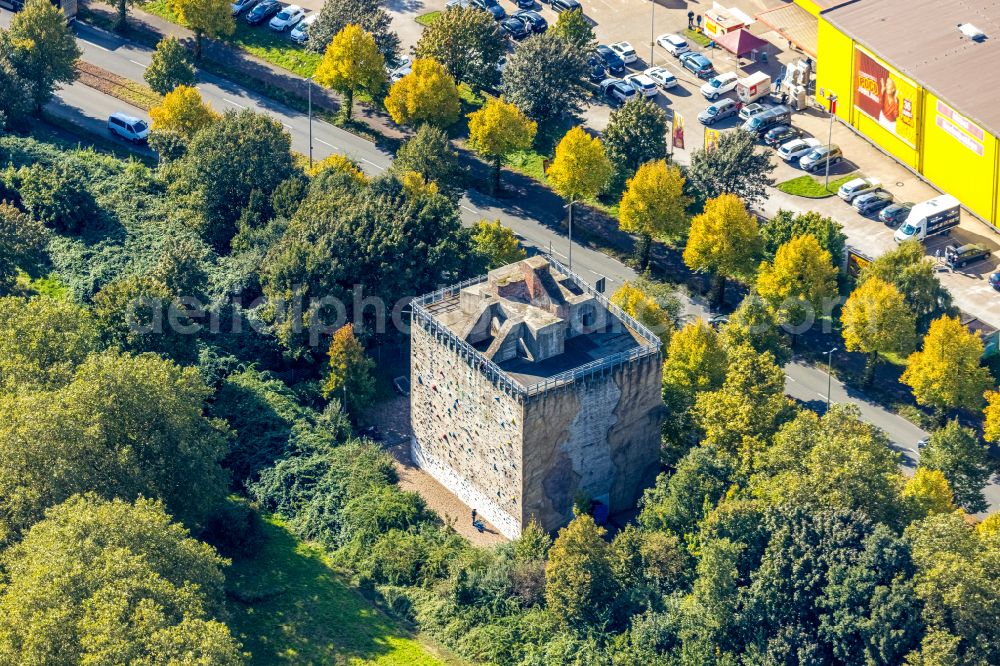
(932,137)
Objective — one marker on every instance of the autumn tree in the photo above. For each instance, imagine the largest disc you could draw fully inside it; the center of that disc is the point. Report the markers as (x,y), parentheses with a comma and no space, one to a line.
(800,283)
(426,95)
(349,372)
(876,320)
(497,130)
(497,244)
(636,134)
(15,94)
(574,28)
(915,276)
(644,308)
(579,581)
(206,18)
(957,453)
(734,166)
(653,206)
(22,245)
(580,168)
(946,373)
(991,416)
(927,492)
(785,225)
(753,323)
(467,41)
(352,63)
(41,48)
(169,67)
(723,241)
(183,112)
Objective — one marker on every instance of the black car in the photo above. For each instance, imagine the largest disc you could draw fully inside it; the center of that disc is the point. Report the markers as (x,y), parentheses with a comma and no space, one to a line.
(780,134)
(566,6)
(595,69)
(491,6)
(525,4)
(612,61)
(534,20)
(263,12)
(894,215)
(956,257)
(515,28)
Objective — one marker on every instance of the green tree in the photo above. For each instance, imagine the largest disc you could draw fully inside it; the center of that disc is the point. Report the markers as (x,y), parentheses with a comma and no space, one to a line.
(183,113)
(679,502)
(636,134)
(876,320)
(724,241)
(352,63)
(54,196)
(734,166)
(497,244)
(125,426)
(126,584)
(335,15)
(947,372)
(349,372)
(957,453)
(914,275)
(786,225)
(206,18)
(580,168)
(22,245)
(800,283)
(169,67)
(544,78)
(121,12)
(653,206)
(426,95)
(497,130)
(42,49)
(429,153)
(467,41)
(754,324)
(579,582)
(15,93)
(575,29)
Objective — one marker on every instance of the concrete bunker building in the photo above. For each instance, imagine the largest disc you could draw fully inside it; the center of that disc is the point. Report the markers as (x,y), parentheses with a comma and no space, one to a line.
(530,389)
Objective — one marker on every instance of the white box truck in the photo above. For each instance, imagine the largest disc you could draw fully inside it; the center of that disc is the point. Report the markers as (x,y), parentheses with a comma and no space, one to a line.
(932,217)
(753,87)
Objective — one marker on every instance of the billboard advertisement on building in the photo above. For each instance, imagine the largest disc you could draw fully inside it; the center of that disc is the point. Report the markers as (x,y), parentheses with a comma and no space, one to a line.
(963,130)
(886,96)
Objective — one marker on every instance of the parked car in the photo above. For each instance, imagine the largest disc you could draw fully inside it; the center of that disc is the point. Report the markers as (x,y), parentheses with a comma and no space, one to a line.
(719,84)
(240,6)
(894,215)
(561,6)
(534,19)
(780,135)
(856,187)
(625,52)
(724,108)
(796,148)
(872,202)
(404,67)
(525,4)
(596,71)
(770,117)
(820,156)
(673,44)
(994,280)
(611,61)
(617,90)
(263,11)
(515,28)
(300,33)
(748,111)
(957,257)
(128,127)
(287,18)
(643,85)
(662,77)
(491,6)
(697,64)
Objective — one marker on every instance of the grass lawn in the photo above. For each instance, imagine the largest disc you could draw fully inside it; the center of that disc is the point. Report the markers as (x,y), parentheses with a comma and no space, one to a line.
(812,188)
(288,606)
(697,37)
(428,18)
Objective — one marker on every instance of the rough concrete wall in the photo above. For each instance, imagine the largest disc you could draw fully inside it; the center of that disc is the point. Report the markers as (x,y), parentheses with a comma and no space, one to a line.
(466,432)
(598,437)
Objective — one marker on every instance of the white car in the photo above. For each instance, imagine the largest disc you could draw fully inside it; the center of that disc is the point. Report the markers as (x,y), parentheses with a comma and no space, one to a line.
(673,44)
(405,67)
(662,77)
(287,18)
(300,33)
(643,84)
(751,110)
(128,127)
(796,148)
(719,85)
(625,52)
(854,188)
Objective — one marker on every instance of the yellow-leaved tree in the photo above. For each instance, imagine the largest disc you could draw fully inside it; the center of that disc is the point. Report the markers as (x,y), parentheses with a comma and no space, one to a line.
(341,163)
(182,112)
(349,372)
(352,63)
(801,283)
(947,372)
(991,416)
(579,170)
(212,18)
(645,309)
(426,95)
(653,206)
(876,320)
(496,244)
(725,241)
(499,129)
(579,582)
(928,492)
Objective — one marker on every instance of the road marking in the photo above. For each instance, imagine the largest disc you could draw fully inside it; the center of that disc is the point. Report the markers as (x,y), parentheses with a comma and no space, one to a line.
(791,379)
(324,142)
(136,62)
(97,46)
(377,166)
(226,99)
(286,125)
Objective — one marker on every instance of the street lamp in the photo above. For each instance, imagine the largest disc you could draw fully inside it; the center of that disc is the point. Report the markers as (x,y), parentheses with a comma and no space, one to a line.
(832,99)
(570,254)
(310,96)
(652,32)
(829,376)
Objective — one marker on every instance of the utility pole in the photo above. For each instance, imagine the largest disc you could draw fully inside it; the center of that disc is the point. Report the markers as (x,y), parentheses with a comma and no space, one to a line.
(832,99)
(310,79)
(652,32)
(570,253)
(829,376)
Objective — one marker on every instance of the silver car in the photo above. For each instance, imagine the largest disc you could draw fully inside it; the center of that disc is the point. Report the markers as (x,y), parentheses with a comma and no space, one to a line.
(724,108)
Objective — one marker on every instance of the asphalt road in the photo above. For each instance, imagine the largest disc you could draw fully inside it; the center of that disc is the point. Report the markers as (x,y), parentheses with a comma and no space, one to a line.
(91,108)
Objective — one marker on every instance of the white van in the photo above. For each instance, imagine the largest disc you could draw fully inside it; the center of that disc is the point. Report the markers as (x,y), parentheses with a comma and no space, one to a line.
(128,127)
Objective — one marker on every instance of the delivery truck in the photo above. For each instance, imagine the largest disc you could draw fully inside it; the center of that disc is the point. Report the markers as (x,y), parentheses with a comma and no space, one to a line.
(753,87)
(68,6)
(930,218)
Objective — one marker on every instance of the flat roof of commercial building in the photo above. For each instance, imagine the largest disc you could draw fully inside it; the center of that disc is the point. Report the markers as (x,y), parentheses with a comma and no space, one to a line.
(921,39)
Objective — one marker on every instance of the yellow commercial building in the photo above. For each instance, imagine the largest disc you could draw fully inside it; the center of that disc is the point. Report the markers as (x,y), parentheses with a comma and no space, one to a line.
(920,79)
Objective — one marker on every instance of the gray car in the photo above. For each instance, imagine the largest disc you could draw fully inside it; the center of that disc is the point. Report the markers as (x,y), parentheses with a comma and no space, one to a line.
(724,108)
(872,202)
